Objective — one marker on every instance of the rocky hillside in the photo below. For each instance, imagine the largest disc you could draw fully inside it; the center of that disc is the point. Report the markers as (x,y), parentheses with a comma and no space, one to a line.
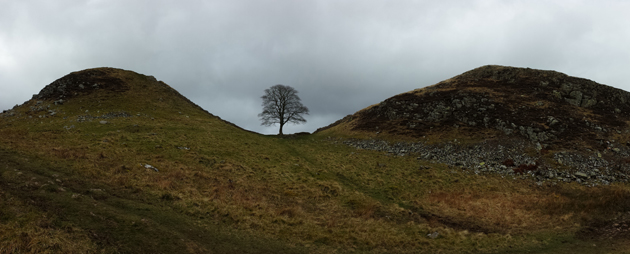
(495,101)
(551,119)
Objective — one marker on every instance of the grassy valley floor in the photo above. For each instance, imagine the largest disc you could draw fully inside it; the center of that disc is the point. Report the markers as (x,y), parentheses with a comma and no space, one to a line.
(219,190)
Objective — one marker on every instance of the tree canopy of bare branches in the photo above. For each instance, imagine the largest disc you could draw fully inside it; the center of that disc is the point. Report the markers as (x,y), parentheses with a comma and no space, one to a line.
(282,105)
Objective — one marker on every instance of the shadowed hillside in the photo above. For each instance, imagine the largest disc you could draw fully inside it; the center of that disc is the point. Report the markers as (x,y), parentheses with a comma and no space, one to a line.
(111,161)
(499,102)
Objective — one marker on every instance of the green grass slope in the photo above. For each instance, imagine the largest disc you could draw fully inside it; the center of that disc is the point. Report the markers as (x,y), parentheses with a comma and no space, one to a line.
(70,183)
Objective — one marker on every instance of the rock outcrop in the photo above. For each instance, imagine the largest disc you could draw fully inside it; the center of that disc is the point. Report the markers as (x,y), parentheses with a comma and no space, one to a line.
(82,82)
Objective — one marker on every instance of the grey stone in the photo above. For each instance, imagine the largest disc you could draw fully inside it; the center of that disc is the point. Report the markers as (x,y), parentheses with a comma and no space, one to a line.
(566,87)
(588,103)
(147,166)
(576,98)
(581,175)
(557,94)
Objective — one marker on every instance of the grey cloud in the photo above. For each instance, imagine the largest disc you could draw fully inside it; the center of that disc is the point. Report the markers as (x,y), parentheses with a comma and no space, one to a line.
(341,56)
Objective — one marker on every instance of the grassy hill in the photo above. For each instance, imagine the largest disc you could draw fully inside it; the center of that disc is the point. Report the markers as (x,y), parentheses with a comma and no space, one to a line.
(111,161)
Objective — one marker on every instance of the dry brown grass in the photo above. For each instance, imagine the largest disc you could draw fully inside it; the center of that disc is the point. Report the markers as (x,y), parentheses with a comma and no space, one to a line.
(500,212)
(305,191)
(275,198)
(25,229)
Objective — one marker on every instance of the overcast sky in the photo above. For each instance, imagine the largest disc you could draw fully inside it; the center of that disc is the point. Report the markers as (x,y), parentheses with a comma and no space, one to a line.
(341,56)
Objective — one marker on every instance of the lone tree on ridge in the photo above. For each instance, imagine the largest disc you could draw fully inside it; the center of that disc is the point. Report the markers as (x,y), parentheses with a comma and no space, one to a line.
(282,105)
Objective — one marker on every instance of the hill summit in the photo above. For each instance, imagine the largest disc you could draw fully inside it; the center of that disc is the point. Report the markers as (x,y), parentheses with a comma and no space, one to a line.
(102,85)
(498,102)
(103,93)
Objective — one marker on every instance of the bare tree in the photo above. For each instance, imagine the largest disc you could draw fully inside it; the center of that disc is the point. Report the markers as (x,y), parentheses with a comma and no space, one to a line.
(282,105)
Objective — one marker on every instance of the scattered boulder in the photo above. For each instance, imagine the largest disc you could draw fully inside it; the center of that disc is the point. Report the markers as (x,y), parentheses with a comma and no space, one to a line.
(147,166)
(581,175)
(500,158)
(110,115)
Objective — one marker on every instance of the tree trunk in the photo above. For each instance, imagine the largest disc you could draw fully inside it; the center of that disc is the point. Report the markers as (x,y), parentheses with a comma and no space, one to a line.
(281,124)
